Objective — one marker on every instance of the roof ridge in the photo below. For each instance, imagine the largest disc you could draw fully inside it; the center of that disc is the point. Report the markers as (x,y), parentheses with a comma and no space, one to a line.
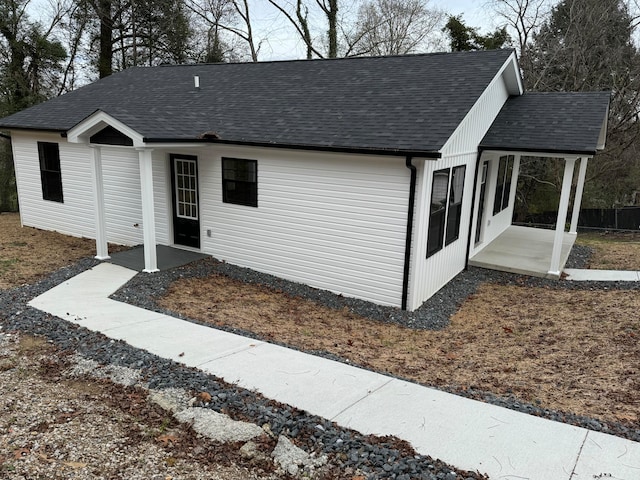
(507,51)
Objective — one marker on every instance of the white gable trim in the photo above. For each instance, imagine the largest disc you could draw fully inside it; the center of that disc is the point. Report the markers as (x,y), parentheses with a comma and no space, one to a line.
(602,138)
(473,127)
(96,122)
(512,78)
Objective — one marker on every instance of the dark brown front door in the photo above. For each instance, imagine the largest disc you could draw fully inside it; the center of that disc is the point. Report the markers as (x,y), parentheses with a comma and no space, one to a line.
(186,213)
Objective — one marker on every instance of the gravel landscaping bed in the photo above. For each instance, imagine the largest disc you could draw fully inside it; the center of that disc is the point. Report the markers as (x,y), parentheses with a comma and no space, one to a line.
(348,450)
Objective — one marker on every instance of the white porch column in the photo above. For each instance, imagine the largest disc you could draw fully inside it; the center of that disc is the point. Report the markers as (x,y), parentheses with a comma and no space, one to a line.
(515,173)
(563,208)
(577,201)
(102,248)
(148,215)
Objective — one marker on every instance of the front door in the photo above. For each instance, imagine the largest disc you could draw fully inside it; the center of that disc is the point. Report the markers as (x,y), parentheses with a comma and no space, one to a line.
(482,194)
(186,214)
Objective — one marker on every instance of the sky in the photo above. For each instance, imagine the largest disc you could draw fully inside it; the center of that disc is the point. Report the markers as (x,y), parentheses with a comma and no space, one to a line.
(282,43)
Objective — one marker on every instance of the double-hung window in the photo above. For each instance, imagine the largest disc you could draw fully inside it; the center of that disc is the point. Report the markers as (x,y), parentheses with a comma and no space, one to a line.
(503,184)
(445,212)
(50,173)
(240,181)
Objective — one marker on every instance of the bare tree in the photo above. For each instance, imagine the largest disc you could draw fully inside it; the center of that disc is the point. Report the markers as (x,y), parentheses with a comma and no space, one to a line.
(298,15)
(225,21)
(522,17)
(394,27)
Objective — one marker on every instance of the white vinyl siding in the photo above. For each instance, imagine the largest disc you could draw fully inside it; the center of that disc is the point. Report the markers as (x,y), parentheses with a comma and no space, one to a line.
(73,217)
(428,275)
(332,221)
(162,197)
(122,199)
(121,176)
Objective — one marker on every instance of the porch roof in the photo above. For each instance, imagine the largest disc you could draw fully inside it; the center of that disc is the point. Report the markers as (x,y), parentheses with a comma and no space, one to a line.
(551,122)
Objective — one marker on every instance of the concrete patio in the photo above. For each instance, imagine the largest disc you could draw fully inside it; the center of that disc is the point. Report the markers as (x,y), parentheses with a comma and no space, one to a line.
(523,250)
(168,257)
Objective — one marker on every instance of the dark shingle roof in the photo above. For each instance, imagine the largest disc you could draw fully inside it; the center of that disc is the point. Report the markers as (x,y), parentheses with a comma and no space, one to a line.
(562,122)
(407,103)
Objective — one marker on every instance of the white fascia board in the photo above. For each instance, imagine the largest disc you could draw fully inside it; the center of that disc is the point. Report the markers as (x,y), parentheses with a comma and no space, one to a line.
(96,122)
(523,153)
(512,76)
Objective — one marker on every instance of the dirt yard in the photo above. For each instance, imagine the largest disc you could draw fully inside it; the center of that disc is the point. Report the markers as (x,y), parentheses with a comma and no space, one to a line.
(573,351)
(55,426)
(613,251)
(28,254)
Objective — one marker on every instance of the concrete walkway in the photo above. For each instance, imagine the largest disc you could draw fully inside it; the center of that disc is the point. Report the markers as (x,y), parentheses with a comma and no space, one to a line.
(588,275)
(465,433)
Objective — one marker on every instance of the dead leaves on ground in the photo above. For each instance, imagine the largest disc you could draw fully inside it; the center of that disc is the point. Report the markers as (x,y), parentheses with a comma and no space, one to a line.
(555,348)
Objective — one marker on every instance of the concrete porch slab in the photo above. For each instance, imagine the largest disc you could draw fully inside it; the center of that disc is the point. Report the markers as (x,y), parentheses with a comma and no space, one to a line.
(168,257)
(523,250)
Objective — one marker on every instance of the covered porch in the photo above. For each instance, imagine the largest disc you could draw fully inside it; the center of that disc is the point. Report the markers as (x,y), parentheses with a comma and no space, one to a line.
(524,250)
(569,127)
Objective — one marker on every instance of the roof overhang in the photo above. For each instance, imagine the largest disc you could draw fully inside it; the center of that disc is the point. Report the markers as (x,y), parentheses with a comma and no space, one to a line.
(538,153)
(82,132)
(168,142)
(602,137)
(510,73)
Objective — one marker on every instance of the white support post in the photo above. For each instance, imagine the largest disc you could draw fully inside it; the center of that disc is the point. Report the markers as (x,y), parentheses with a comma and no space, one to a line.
(514,182)
(577,201)
(148,215)
(102,247)
(563,208)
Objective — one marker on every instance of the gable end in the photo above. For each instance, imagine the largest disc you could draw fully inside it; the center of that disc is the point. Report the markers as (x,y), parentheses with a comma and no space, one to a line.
(111,136)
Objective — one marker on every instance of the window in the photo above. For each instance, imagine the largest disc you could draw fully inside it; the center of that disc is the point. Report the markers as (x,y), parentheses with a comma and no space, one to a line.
(186,186)
(437,212)
(503,184)
(454,213)
(240,181)
(50,175)
(446,208)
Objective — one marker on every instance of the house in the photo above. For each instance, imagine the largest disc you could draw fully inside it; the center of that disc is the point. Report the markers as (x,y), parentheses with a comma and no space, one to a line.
(379,178)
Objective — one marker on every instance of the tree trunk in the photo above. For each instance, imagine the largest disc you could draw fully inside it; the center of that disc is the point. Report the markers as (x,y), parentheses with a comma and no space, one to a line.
(332,18)
(105,56)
